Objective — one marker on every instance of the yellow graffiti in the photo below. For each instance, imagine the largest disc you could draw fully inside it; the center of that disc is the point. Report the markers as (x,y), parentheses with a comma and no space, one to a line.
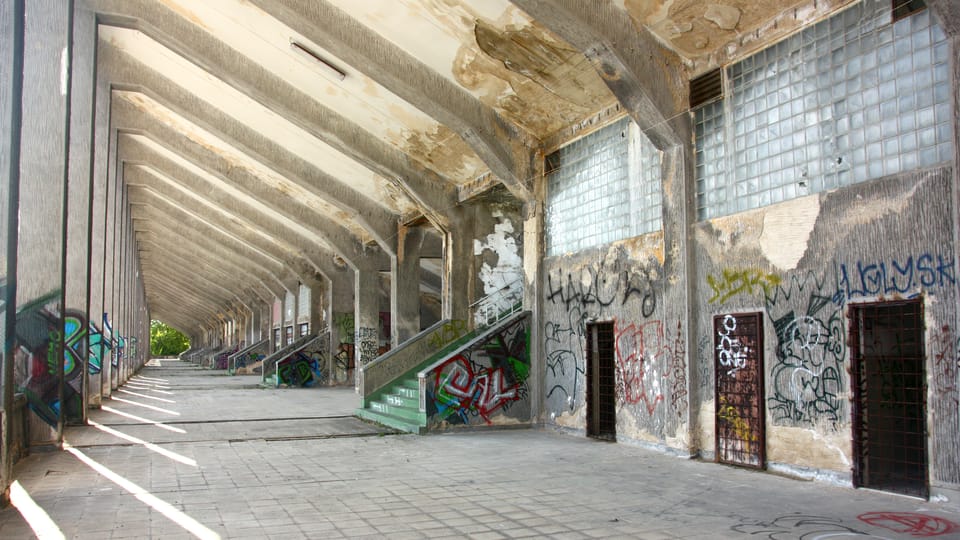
(733,282)
(740,426)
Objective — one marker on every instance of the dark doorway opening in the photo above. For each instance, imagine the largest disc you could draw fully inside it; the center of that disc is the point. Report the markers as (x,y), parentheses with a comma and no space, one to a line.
(740,425)
(601,382)
(889,386)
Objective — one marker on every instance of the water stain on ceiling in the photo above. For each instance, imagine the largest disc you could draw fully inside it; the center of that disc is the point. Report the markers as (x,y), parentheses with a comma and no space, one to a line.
(532,78)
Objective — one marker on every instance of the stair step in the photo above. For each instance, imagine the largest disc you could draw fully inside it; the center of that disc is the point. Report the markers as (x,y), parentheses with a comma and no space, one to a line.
(389,420)
(410,414)
(401,400)
(412,383)
(407,392)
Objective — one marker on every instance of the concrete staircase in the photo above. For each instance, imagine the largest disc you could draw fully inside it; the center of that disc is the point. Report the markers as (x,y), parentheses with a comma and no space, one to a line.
(398,404)
(398,408)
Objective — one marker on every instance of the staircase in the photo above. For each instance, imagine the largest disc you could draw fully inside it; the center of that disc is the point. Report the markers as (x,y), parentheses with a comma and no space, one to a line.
(401,403)
(398,408)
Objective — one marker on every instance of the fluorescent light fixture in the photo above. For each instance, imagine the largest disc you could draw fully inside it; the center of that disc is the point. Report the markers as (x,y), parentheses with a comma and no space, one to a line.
(325,64)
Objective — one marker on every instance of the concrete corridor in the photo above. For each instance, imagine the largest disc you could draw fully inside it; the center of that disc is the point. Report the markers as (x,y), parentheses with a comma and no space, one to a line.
(228,459)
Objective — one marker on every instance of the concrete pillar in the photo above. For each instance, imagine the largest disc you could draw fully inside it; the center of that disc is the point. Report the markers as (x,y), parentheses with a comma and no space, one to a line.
(11,48)
(405,285)
(39,257)
(76,293)
(366,317)
(459,279)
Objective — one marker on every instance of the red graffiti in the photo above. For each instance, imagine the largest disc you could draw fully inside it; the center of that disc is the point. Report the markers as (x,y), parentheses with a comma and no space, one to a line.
(459,389)
(946,364)
(919,525)
(640,360)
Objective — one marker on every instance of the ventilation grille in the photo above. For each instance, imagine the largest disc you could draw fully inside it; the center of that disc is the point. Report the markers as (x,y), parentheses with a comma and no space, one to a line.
(706,88)
(905,8)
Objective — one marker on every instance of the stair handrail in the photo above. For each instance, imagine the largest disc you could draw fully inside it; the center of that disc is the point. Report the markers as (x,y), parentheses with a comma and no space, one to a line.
(232,359)
(484,310)
(378,374)
(316,337)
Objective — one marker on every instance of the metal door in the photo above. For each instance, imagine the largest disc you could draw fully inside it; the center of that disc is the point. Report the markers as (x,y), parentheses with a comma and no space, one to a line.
(738,340)
(889,386)
(601,382)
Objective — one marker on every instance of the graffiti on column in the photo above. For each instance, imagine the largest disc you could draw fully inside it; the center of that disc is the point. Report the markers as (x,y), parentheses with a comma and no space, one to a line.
(367,344)
(502,283)
(117,342)
(37,341)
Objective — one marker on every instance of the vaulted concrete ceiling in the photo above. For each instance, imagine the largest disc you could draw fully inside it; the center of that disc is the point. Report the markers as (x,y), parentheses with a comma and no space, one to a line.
(265,142)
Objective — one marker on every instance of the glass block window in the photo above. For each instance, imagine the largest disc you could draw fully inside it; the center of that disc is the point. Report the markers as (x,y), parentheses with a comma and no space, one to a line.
(303,303)
(288,307)
(602,188)
(852,98)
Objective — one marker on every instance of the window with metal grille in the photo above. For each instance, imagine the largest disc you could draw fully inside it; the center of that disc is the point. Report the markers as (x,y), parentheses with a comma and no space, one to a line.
(602,188)
(852,98)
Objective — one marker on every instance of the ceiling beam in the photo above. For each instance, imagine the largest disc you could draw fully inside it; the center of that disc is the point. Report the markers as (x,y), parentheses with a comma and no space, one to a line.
(503,146)
(647,78)
(128,72)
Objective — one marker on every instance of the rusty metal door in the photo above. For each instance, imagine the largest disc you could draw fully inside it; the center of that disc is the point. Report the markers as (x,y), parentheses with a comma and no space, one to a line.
(738,347)
(889,387)
(601,382)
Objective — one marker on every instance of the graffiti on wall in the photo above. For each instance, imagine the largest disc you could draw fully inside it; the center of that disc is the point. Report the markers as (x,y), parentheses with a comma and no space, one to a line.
(222,359)
(893,277)
(447,334)
(808,377)
(594,289)
(617,285)
(732,282)
(564,344)
(344,324)
(483,380)
(502,280)
(651,365)
(946,364)
(304,368)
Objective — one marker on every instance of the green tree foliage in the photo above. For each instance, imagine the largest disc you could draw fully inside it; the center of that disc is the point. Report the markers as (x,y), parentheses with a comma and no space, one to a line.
(166,340)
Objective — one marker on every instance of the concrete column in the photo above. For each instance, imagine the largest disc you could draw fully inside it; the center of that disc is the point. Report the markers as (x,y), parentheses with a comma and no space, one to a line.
(11,49)
(459,279)
(39,257)
(366,317)
(405,286)
(77,283)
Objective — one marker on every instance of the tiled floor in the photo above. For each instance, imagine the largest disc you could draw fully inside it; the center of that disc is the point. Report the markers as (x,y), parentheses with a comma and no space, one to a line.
(246,462)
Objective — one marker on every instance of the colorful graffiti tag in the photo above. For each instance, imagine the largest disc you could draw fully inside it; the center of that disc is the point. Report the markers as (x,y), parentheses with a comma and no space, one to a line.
(483,380)
(39,336)
(303,369)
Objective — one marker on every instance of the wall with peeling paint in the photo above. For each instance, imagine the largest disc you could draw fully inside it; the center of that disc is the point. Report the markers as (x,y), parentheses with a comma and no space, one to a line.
(802,264)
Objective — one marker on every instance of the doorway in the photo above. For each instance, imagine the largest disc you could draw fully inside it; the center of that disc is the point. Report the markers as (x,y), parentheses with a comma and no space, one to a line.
(601,382)
(740,426)
(889,387)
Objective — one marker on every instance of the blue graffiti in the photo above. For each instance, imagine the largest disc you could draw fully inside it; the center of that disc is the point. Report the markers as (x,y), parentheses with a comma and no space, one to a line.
(905,277)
